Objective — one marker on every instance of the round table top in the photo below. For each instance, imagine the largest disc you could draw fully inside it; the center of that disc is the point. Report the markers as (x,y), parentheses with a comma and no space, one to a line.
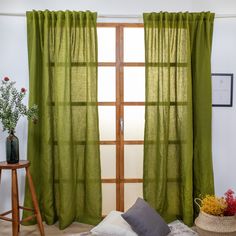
(20,164)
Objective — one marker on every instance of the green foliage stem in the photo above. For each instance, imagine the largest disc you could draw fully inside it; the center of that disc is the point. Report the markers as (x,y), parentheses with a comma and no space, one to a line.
(11,106)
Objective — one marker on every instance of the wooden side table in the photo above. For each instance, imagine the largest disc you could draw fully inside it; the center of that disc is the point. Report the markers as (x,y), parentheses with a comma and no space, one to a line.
(15,199)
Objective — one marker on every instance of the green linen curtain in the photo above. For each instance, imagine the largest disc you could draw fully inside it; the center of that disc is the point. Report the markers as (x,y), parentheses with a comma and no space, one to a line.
(177,143)
(64,146)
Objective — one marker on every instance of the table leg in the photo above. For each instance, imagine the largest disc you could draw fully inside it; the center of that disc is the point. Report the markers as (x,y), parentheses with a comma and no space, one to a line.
(35,202)
(0,175)
(15,204)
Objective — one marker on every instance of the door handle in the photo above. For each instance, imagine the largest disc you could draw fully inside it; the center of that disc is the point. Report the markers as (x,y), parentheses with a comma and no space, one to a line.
(122,125)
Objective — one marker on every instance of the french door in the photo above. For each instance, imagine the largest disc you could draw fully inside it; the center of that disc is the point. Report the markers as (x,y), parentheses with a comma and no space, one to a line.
(121,96)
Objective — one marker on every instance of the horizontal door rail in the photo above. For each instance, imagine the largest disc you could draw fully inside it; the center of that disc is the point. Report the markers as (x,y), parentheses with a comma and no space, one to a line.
(127,142)
(135,180)
(167,103)
(147,64)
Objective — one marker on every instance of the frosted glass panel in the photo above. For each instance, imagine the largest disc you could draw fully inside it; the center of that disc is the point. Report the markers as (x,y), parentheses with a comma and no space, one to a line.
(133,161)
(106,44)
(132,192)
(107,123)
(133,44)
(108,161)
(134,122)
(108,198)
(106,84)
(134,84)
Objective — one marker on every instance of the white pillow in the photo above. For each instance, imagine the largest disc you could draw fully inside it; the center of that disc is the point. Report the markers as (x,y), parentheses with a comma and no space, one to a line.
(113,225)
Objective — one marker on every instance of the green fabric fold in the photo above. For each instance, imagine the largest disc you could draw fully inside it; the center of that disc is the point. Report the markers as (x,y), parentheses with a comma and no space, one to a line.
(63,147)
(177,143)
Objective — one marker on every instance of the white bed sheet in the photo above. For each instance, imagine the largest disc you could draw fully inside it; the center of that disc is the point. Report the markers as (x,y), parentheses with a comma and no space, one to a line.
(177,229)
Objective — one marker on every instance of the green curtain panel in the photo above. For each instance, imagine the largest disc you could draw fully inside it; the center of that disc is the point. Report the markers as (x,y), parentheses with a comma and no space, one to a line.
(64,146)
(177,143)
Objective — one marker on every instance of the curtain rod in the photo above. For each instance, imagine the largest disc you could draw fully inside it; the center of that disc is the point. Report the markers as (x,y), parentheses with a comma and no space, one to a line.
(117,16)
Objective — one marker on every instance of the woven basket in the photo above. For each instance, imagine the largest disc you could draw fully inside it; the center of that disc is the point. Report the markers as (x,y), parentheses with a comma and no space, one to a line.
(209,225)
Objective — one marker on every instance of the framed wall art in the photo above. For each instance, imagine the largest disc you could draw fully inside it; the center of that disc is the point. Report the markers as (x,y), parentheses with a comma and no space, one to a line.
(222,90)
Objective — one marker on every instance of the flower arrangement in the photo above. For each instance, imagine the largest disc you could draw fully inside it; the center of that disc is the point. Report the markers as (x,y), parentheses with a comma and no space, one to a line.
(219,206)
(11,106)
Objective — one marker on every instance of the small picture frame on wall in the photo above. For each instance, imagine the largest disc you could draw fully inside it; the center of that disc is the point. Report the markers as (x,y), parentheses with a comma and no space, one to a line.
(222,89)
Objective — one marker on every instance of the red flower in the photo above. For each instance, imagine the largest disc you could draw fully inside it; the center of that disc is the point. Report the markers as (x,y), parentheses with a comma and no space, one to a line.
(6,79)
(229,192)
(23,90)
(231,203)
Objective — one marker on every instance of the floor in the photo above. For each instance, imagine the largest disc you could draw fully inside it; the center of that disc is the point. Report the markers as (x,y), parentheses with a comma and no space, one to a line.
(52,230)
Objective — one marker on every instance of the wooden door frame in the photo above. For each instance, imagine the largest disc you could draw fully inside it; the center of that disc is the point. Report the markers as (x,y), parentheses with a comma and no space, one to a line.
(119,64)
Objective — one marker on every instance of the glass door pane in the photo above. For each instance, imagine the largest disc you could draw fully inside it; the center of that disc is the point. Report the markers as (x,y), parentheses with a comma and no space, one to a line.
(134,122)
(108,161)
(133,161)
(134,84)
(132,192)
(106,44)
(133,44)
(107,122)
(108,198)
(106,84)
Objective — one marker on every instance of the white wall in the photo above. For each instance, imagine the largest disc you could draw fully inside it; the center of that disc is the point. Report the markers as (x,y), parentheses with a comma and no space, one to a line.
(13,63)
(121,6)
(224,119)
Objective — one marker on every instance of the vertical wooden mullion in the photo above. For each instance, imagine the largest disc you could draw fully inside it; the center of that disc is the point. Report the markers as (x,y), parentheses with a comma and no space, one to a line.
(122,117)
(118,207)
(119,116)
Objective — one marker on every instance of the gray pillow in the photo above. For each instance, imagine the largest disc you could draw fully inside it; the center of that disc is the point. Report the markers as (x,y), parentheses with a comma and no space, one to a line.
(144,220)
